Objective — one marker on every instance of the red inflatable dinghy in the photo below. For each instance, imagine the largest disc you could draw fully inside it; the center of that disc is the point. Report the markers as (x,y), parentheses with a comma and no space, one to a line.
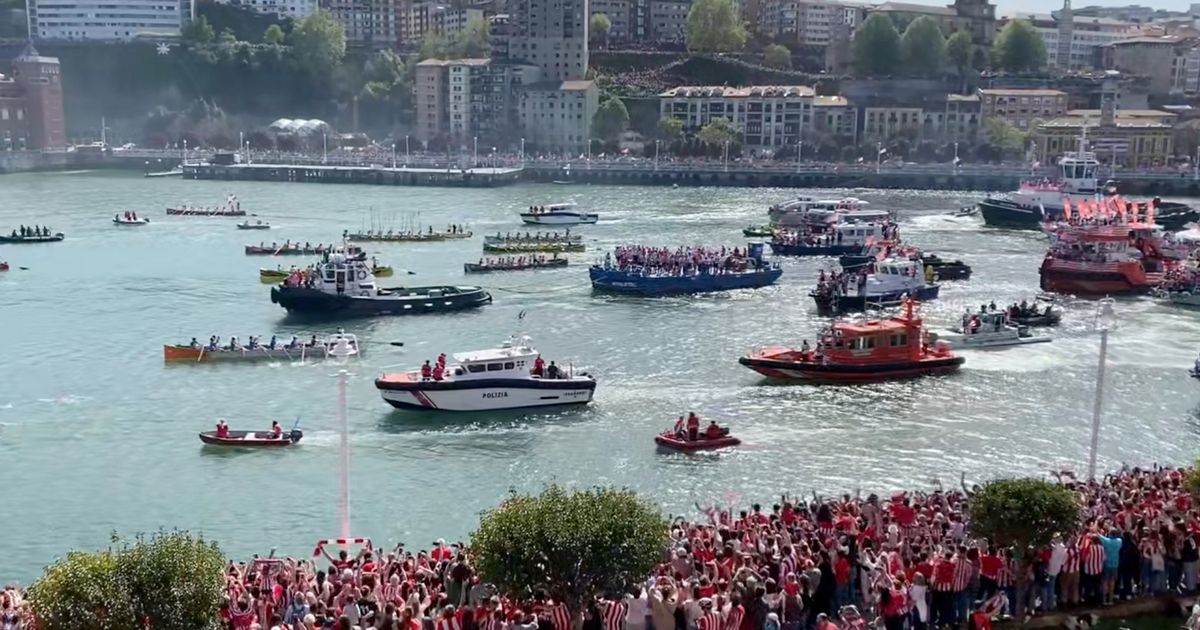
(668,440)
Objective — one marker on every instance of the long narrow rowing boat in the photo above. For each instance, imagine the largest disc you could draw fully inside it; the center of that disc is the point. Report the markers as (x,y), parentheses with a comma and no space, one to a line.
(286,250)
(13,240)
(406,237)
(494,265)
(271,276)
(532,246)
(204,212)
(202,354)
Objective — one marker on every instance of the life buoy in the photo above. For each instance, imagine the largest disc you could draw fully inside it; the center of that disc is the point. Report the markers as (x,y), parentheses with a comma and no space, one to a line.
(362,274)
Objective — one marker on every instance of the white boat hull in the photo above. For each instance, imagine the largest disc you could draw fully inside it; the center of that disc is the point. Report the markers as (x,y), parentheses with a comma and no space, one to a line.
(549,218)
(131,222)
(982,341)
(487,398)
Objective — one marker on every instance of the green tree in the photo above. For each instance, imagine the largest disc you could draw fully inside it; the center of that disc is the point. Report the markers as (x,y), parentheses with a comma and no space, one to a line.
(433,46)
(714,26)
(610,120)
(273,35)
(923,47)
(319,43)
(718,132)
(777,56)
(571,544)
(227,37)
(876,47)
(387,85)
(669,129)
(1005,139)
(1019,48)
(169,580)
(472,42)
(1023,513)
(599,26)
(959,49)
(199,31)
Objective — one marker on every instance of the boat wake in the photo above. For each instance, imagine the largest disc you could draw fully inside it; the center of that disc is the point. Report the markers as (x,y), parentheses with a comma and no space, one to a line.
(69,399)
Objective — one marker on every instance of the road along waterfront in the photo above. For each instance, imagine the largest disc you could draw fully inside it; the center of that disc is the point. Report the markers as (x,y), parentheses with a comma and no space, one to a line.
(97,434)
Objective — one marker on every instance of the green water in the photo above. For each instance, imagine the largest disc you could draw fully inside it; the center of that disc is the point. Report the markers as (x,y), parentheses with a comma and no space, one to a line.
(97,434)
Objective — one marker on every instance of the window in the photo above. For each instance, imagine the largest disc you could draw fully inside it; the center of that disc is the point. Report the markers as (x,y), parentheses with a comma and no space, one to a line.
(509,365)
(495,367)
(474,367)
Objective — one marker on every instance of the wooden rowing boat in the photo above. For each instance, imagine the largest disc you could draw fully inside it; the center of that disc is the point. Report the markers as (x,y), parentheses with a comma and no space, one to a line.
(13,240)
(255,439)
(491,266)
(299,352)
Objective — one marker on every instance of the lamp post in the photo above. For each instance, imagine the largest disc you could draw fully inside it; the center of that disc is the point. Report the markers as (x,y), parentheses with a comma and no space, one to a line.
(185,152)
(799,152)
(248,160)
(726,156)
(522,152)
(1106,320)
(406,155)
(475,153)
(325,147)
(341,353)
(393,156)
(656,143)
(878,157)
(241,139)
(1196,174)
(956,158)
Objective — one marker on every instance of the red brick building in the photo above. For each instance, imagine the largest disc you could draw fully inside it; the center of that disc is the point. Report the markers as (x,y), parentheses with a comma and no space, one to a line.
(31,101)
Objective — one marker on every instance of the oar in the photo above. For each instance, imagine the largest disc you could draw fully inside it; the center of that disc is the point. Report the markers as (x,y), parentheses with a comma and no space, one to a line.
(23,268)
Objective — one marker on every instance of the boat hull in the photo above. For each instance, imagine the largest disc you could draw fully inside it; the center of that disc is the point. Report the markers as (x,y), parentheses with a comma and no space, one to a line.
(983,341)
(180,212)
(1006,213)
(131,222)
(858,303)
(29,240)
(533,248)
(251,439)
(613,281)
(264,226)
(670,442)
(781,249)
(818,373)
(245,355)
(304,301)
(486,394)
(559,218)
(477,268)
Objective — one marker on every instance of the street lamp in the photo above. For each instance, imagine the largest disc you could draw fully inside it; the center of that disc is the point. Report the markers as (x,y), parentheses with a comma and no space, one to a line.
(656,143)
(185,152)
(1106,320)
(878,157)
(522,152)
(325,147)
(799,151)
(393,155)
(406,156)
(727,156)
(341,353)
(475,153)
(1196,175)
(956,158)
(248,160)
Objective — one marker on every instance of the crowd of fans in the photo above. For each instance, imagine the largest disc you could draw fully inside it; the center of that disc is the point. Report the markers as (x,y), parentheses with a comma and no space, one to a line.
(812,563)
(680,261)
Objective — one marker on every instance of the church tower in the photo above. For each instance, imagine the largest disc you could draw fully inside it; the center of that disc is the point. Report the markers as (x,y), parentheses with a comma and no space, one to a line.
(1066,32)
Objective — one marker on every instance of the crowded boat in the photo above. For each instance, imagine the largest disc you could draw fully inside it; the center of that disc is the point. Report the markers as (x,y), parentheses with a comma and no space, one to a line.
(857,351)
(513,376)
(273,437)
(988,328)
(648,270)
(836,240)
(558,214)
(232,208)
(882,284)
(1028,313)
(254,349)
(32,234)
(1108,248)
(687,436)
(257,225)
(515,263)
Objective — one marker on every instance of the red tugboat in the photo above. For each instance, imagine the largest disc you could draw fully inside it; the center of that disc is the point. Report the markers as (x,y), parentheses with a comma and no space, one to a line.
(861,352)
(1103,254)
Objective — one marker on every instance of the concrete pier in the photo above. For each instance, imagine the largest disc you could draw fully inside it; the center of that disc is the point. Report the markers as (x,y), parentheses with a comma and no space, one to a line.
(379,175)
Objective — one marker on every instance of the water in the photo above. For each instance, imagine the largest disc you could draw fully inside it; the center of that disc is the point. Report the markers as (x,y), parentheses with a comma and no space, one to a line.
(97,434)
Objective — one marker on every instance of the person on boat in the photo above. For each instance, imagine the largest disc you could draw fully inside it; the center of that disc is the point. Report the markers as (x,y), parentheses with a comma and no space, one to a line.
(552,371)
(713,431)
(693,426)
(680,425)
(294,342)
(271,346)
(213,343)
(222,429)
(538,366)
(194,344)
(804,347)
(426,371)
(134,215)
(1196,367)
(441,360)
(276,430)
(313,342)
(439,372)
(14,234)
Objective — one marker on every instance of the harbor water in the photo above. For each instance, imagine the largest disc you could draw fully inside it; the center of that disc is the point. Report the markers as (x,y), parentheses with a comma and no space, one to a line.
(98,435)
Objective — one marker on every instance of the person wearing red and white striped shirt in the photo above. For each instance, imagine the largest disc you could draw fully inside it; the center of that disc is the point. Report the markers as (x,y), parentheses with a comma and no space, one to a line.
(612,614)
(709,619)
(1069,578)
(964,570)
(450,619)
(560,616)
(735,614)
(1091,556)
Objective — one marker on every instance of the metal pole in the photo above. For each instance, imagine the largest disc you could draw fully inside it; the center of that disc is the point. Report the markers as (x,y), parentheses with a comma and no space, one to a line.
(393,155)
(799,152)
(1096,405)
(878,156)
(522,152)
(344,495)
(956,158)
(406,157)
(475,153)
(324,147)
(185,151)
(1196,175)
(726,156)
(656,143)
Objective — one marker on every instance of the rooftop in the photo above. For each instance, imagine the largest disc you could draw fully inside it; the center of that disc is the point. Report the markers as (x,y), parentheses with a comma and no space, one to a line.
(576,85)
(452,62)
(963,98)
(1123,113)
(1123,122)
(912,7)
(719,91)
(830,101)
(1021,92)
(1165,40)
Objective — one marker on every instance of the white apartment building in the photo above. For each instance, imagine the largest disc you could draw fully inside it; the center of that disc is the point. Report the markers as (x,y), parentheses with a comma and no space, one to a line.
(557,116)
(108,20)
(807,22)
(295,9)
(422,19)
(550,34)
(766,115)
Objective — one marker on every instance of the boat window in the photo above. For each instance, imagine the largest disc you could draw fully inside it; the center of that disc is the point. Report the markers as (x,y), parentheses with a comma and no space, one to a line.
(495,367)
(510,365)
(899,340)
(520,364)
(869,342)
(475,367)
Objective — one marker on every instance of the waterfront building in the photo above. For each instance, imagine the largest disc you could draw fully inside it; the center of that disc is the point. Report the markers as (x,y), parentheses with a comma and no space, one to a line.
(768,116)
(961,119)
(620,18)
(31,102)
(108,20)
(551,34)
(807,22)
(425,18)
(884,122)
(295,9)
(1170,62)
(1075,42)
(1021,107)
(556,116)
(373,24)
(835,115)
(1131,138)
(457,100)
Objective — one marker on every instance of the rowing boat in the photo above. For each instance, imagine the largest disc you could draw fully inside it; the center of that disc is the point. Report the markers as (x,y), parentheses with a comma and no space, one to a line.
(201,354)
(488,266)
(251,438)
(13,240)
(406,237)
(531,246)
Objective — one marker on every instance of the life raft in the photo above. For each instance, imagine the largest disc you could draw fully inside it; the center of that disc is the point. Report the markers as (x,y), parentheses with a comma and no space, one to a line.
(667,439)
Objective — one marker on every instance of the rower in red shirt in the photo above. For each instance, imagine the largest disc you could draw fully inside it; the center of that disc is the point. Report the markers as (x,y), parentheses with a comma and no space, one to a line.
(222,429)
(693,427)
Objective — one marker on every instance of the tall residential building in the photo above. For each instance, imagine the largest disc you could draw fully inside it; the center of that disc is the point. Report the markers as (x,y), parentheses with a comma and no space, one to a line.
(668,20)
(556,116)
(1021,108)
(424,18)
(807,22)
(551,34)
(1171,63)
(1076,42)
(767,116)
(31,103)
(1066,36)
(458,100)
(620,18)
(370,23)
(107,20)
(295,9)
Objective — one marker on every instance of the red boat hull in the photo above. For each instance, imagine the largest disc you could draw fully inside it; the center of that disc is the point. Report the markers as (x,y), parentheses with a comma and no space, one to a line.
(256,439)
(667,440)
(1059,276)
(818,373)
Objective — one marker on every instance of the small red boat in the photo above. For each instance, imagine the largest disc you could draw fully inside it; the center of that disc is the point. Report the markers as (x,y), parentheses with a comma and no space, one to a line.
(252,438)
(667,439)
(861,352)
(3,266)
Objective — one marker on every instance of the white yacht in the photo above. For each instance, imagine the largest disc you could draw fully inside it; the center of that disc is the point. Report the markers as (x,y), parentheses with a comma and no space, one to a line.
(989,330)
(558,214)
(483,380)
